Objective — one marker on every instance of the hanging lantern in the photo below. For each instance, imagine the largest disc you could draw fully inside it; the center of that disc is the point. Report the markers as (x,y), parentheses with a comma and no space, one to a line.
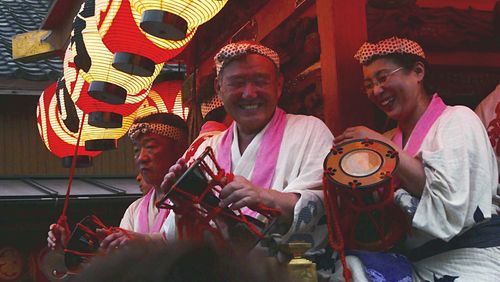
(136,52)
(105,123)
(162,97)
(101,114)
(58,125)
(93,60)
(170,19)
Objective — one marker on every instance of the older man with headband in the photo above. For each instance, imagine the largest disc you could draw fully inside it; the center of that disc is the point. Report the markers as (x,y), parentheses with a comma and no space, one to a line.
(159,140)
(276,157)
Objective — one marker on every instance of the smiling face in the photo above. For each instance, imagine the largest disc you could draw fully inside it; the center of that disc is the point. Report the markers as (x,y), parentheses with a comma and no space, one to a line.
(154,155)
(250,88)
(401,93)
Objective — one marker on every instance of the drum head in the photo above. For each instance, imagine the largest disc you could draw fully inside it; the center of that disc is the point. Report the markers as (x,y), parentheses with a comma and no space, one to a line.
(361,163)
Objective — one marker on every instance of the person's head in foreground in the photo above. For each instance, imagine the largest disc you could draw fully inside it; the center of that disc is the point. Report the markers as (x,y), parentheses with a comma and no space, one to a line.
(249,82)
(179,261)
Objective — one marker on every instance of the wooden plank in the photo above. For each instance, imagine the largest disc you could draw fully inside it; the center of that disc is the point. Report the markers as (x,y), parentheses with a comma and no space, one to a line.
(485,5)
(467,59)
(36,45)
(342,29)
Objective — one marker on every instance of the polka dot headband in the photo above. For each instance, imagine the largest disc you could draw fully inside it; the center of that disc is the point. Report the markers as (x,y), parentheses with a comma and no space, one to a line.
(169,131)
(388,46)
(238,49)
(211,104)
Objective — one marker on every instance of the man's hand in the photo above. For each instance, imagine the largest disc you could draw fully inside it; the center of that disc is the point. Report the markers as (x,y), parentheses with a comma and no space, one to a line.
(56,236)
(118,238)
(174,172)
(241,193)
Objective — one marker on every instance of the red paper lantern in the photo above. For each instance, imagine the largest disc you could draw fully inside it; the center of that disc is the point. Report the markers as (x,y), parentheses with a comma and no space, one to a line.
(164,97)
(58,125)
(94,62)
(101,114)
(136,52)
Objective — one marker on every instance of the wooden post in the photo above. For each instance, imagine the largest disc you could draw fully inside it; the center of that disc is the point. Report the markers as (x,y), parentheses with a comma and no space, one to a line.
(342,30)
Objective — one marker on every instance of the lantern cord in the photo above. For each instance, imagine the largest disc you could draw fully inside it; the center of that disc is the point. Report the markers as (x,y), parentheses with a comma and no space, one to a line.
(62,221)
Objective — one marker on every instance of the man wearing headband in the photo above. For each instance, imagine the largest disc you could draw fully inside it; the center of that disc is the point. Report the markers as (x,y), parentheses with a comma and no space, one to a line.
(159,140)
(447,172)
(276,157)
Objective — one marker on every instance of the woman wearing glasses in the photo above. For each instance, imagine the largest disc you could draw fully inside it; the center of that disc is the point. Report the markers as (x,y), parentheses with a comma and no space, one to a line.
(447,170)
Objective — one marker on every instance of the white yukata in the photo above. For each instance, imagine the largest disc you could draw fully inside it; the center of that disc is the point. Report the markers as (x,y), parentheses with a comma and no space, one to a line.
(299,169)
(130,220)
(460,191)
(489,113)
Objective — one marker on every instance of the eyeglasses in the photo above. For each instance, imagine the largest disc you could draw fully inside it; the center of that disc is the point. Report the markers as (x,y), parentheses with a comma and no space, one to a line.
(378,80)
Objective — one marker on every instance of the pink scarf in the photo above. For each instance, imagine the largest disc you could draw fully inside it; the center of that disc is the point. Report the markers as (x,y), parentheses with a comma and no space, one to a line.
(267,154)
(424,124)
(144,218)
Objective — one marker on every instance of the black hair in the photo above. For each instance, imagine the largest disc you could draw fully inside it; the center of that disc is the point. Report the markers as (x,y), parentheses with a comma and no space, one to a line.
(408,61)
(218,114)
(164,118)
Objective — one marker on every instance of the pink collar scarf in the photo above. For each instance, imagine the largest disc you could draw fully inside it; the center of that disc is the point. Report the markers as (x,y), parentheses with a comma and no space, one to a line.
(432,113)
(267,154)
(144,218)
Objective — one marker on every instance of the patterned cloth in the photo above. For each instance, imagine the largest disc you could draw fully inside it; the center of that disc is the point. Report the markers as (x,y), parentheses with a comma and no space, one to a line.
(161,129)
(238,49)
(388,46)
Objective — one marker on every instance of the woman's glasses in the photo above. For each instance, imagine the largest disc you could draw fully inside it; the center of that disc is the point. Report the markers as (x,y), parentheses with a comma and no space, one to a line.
(378,80)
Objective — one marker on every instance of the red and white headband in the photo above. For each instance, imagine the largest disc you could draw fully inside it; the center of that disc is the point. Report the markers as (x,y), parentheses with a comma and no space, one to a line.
(166,130)
(238,49)
(388,46)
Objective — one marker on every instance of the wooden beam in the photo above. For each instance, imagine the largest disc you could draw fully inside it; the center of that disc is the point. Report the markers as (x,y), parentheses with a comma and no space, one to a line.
(484,5)
(52,37)
(36,45)
(464,59)
(342,30)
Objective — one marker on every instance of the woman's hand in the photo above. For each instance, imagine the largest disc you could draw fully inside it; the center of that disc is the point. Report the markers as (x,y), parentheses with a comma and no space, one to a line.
(359,132)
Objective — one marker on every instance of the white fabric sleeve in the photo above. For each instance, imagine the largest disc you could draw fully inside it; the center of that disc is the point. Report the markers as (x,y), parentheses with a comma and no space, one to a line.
(309,209)
(460,171)
(128,218)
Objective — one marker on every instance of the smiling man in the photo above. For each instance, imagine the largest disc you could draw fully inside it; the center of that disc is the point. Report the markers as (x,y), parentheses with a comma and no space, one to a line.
(276,157)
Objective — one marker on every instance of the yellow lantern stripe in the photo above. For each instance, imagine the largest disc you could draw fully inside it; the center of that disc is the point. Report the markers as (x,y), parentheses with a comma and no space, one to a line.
(195,12)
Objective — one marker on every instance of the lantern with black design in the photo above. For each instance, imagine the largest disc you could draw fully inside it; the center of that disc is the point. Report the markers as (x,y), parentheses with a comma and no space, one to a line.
(359,195)
(135,51)
(96,138)
(58,123)
(112,94)
(194,197)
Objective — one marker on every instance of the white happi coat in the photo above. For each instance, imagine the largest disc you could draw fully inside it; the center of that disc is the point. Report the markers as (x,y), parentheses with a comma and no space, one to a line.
(490,116)
(130,220)
(299,169)
(461,177)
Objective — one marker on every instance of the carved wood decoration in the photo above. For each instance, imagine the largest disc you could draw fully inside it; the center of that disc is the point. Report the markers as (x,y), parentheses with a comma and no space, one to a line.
(303,94)
(443,29)
(464,86)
